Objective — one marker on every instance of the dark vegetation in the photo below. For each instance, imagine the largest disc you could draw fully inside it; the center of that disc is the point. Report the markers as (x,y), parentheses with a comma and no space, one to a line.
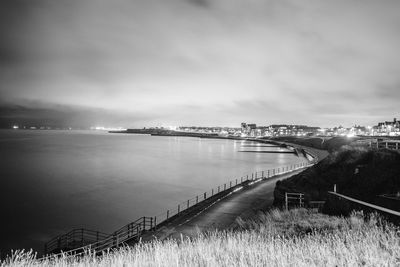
(330,144)
(358,172)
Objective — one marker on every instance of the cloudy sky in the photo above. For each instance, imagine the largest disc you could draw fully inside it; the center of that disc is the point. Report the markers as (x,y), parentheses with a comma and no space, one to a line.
(200,62)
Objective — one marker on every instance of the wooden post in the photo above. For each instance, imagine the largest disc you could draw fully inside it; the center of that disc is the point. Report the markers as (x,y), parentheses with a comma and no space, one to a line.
(224,187)
(197,199)
(212,192)
(262,174)
(167,214)
(241,179)
(334,188)
(179,208)
(155,222)
(236,181)
(205,195)
(230,184)
(187,206)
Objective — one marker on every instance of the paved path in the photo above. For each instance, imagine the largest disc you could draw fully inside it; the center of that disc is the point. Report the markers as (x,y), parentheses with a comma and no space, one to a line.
(222,215)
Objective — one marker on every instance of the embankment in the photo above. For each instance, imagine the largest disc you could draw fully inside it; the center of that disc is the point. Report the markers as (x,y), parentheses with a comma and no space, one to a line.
(359,173)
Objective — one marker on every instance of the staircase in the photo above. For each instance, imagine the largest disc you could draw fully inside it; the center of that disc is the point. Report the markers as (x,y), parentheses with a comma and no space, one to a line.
(79,241)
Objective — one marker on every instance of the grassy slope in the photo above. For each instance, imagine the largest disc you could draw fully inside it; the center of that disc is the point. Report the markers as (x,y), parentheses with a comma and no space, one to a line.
(379,173)
(295,238)
(329,144)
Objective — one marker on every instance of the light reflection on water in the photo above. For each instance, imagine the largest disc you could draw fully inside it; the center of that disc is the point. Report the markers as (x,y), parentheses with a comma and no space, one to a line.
(53,181)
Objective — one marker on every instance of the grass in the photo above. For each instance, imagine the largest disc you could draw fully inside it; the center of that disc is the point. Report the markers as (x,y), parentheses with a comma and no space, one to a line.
(276,238)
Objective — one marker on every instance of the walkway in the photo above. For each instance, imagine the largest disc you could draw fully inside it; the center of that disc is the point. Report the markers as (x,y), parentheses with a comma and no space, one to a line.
(222,215)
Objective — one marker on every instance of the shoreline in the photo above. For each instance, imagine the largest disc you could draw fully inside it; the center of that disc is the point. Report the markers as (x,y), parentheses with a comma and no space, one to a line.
(202,208)
(221,211)
(313,152)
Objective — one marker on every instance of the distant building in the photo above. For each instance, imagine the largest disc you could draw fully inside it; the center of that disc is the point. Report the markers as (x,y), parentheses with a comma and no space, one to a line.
(388,128)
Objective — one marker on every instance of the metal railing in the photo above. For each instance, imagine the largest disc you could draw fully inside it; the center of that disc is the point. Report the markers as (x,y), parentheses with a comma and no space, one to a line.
(223,188)
(366,204)
(128,232)
(73,239)
(137,228)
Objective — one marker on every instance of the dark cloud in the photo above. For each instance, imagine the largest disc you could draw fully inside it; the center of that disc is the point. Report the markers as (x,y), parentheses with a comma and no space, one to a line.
(160,59)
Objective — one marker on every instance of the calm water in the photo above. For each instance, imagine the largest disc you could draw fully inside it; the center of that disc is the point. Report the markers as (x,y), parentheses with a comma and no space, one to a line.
(54,181)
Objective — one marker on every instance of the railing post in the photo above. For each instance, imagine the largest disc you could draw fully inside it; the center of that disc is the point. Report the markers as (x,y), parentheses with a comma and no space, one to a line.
(241,179)
(212,192)
(155,222)
(224,187)
(205,195)
(252,176)
(179,208)
(187,206)
(167,214)
(218,189)
(236,181)
(262,174)
(230,184)
(151,222)
(247,177)
(197,198)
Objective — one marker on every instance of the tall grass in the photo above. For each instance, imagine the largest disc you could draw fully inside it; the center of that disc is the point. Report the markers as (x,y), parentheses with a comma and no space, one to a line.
(277,238)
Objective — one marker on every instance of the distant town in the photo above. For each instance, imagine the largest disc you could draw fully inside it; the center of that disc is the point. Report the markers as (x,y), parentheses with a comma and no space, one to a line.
(386,128)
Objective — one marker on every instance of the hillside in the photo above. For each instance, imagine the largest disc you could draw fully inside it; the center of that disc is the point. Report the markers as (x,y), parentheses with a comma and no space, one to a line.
(330,144)
(357,172)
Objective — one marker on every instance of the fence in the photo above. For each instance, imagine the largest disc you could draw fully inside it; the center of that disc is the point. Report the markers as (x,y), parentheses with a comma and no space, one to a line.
(119,237)
(135,229)
(345,204)
(296,199)
(74,238)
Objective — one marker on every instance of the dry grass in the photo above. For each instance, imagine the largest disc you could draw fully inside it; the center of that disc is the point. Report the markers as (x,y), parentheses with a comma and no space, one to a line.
(295,238)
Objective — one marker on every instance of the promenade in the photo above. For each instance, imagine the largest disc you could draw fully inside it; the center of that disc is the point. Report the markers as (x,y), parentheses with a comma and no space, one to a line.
(223,214)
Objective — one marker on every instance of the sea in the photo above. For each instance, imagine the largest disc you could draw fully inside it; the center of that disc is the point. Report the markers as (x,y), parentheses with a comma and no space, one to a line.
(54,181)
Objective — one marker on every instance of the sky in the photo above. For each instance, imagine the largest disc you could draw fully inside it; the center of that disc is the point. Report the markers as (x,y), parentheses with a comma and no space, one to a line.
(135,63)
